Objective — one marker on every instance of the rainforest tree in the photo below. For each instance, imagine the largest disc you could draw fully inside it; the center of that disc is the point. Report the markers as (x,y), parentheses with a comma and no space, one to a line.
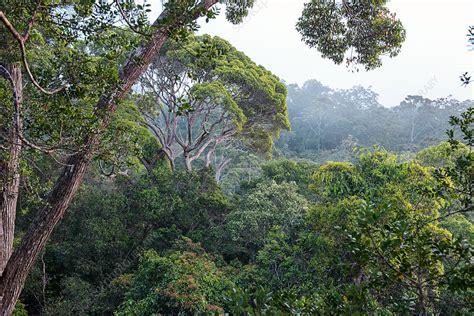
(44,40)
(202,94)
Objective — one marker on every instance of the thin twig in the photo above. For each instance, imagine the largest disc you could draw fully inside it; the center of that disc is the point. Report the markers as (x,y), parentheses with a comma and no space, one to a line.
(127,21)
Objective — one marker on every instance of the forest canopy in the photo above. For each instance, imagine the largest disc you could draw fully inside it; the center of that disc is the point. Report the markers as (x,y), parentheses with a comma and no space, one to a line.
(148,170)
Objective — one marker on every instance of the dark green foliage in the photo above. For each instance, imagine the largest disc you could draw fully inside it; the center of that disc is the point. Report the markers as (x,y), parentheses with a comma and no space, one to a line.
(462,173)
(364,241)
(116,251)
(185,280)
(193,203)
(236,10)
(365,28)
(110,226)
(267,205)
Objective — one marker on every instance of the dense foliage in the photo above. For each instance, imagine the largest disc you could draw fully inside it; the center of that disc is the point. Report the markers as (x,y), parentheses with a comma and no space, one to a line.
(379,235)
(202,95)
(368,210)
(359,31)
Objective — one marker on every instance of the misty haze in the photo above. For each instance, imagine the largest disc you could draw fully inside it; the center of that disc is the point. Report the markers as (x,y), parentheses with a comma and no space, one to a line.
(236,157)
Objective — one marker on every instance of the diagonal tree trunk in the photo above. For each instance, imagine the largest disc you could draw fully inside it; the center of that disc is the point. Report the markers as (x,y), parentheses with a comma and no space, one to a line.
(9,168)
(23,258)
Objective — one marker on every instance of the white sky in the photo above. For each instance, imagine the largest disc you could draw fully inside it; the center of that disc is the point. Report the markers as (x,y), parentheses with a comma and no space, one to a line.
(433,56)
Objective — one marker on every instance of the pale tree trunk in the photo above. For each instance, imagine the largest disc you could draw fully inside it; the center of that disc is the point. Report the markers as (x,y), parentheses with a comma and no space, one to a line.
(169,155)
(220,167)
(9,170)
(209,156)
(151,164)
(34,241)
(188,162)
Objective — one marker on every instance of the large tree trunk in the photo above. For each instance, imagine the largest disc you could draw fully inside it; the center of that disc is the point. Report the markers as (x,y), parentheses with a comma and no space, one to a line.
(21,262)
(9,171)
(32,244)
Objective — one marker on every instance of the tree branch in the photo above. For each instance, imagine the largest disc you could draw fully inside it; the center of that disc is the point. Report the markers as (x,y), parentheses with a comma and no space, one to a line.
(21,41)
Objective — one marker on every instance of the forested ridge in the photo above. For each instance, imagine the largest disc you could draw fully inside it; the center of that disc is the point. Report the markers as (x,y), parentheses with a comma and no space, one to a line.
(149,170)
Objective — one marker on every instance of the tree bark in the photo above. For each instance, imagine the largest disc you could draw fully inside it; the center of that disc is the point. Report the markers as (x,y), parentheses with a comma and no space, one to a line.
(188,162)
(421,300)
(221,167)
(32,244)
(9,170)
(22,259)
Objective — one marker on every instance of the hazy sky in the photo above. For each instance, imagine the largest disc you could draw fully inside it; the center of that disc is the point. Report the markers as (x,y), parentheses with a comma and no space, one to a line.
(435,53)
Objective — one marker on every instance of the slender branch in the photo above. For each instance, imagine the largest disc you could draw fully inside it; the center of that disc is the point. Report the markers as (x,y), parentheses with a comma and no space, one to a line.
(127,21)
(31,22)
(21,41)
(463,210)
(387,262)
(17,119)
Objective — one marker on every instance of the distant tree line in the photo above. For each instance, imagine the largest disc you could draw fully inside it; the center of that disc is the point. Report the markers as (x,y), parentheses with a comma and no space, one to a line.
(326,122)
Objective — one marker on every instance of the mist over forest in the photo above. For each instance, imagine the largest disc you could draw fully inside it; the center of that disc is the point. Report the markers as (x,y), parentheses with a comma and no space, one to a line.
(324,120)
(149,169)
